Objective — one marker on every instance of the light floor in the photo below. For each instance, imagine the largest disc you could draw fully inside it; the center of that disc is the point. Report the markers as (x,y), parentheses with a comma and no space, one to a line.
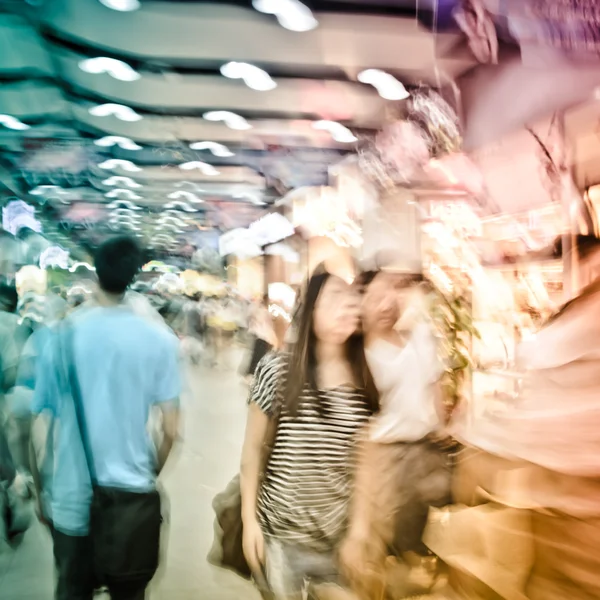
(214,417)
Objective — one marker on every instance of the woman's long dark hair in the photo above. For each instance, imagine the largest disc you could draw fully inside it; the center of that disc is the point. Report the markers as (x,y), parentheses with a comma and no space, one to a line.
(302,369)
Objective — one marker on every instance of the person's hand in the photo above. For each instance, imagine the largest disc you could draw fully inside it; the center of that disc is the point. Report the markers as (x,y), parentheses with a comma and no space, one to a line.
(253,543)
(39,511)
(358,562)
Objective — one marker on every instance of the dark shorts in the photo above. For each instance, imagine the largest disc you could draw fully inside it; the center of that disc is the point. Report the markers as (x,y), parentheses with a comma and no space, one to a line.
(136,544)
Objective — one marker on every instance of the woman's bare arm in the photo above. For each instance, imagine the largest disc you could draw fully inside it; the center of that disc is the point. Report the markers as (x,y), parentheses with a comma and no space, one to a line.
(252,460)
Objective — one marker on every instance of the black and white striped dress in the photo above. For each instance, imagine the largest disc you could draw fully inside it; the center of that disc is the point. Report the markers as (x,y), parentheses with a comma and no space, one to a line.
(309,478)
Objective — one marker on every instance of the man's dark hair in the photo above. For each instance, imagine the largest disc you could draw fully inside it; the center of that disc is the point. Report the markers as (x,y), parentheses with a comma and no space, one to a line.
(118,261)
(9,298)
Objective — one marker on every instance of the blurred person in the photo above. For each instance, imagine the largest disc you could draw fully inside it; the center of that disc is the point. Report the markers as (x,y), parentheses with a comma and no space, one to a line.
(527,521)
(319,399)
(402,471)
(262,330)
(9,350)
(194,328)
(99,378)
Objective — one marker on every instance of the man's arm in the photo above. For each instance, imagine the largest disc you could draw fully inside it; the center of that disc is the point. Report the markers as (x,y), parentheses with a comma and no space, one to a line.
(170,432)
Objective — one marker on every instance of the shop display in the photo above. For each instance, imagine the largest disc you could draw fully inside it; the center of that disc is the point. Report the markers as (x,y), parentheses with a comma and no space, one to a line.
(503,285)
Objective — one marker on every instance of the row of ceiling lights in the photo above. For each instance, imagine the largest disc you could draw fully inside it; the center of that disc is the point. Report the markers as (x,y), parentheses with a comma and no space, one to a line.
(177,198)
(291,14)
(387,86)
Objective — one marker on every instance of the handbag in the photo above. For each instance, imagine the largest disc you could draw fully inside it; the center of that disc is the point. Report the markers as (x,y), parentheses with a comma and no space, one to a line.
(125,525)
(227,550)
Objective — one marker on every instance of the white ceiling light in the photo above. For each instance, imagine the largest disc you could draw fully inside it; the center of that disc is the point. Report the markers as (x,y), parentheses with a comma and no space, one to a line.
(291,14)
(217,149)
(122,181)
(124,203)
(122,5)
(111,66)
(167,219)
(187,195)
(49,190)
(254,197)
(202,166)
(125,213)
(387,85)
(172,206)
(232,120)
(117,163)
(123,225)
(118,193)
(338,132)
(119,111)
(117,140)
(254,77)
(13,123)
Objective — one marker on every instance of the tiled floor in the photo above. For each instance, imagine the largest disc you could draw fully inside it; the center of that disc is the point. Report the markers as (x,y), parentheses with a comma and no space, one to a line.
(214,415)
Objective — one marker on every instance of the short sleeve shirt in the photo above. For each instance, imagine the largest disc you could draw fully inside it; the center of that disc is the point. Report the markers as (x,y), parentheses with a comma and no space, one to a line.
(125,365)
(308,482)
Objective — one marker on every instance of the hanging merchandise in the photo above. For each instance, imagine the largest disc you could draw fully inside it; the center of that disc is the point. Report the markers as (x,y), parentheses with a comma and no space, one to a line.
(437,119)
(404,150)
(477,23)
(54,256)
(570,26)
(18,214)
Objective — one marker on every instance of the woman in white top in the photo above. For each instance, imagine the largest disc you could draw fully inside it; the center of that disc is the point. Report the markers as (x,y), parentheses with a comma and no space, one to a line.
(403,471)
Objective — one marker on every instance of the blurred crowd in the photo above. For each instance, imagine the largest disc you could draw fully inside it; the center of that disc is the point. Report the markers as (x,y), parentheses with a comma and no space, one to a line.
(359,478)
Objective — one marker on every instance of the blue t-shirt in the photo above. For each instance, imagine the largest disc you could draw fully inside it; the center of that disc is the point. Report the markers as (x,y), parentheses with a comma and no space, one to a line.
(125,365)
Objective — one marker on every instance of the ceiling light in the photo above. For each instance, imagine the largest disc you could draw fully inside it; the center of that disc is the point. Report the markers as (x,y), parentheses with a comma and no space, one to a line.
(338,132)
(291,14)
(125,203)
(255,198)
(166,219)
(117,140)
(111,66)
(122,5)
(13,123)
(202,166)
(189,184)
(46,190)
(182,205)
(217,149)
(232,120)
(121,192)
(119,111)
(125,213)
(254,77)
(117,163)
(122,181)
(387,85)
(187,195)
(124,224)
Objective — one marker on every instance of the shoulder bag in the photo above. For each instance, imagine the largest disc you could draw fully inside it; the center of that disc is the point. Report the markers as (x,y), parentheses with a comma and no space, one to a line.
(227,549)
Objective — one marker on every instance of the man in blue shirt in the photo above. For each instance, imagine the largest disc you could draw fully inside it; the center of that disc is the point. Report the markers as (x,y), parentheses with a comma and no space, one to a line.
(125,366)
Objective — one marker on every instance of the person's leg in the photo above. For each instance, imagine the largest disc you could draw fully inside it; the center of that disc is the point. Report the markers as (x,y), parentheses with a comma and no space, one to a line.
(130,590)
(74,567)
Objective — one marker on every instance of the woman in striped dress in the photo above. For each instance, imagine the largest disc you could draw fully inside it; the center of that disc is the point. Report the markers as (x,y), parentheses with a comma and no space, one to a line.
(322,395)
